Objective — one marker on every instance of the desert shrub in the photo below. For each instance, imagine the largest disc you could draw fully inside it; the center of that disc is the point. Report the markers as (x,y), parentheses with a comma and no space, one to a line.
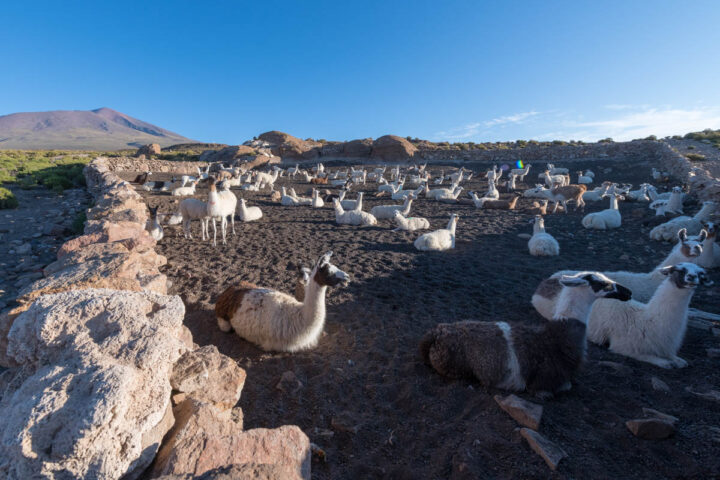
(691,147)
(7,199)
(57,170)
(558,142)
(78,223)
(606,140)
(695,157)
(651,138)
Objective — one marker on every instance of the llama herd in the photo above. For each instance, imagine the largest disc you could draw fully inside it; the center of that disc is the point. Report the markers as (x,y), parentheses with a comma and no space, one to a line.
(639,315)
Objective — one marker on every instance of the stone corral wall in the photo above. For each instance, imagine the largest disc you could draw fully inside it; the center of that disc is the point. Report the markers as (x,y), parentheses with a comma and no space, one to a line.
(100,367)
(132,164)
(700,180)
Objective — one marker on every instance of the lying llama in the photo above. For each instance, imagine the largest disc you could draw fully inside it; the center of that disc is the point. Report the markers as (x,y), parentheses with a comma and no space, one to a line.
(542,244)
(142,178)
(410,224)
(560,195)
(650,332)
(542,360)
(605,219)
(153,225)
(597,193)
(352,217)
(668,230)
(351,204)
(274,320)
(491,204)
(317,202)
(438,240)
(447,196)
(643,285)
(584,179)
(249,214)
(388,211)
(185,191)
(674,204)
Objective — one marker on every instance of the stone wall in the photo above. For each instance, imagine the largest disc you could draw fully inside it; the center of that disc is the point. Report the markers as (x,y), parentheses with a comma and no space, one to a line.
(133,164)
(699,179)
(100,367)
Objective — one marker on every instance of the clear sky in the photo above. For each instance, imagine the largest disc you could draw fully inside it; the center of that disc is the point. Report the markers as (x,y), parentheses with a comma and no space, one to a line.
(441,70)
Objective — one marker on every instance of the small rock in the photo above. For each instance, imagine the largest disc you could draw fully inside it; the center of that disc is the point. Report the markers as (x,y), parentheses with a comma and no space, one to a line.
(551,453)
(713,352)
(289,383)
(659,385)
(710,395)
(524,236)
(651,412)
(651,428)
(618,367)
(526,413)
(23,249)
(625,257)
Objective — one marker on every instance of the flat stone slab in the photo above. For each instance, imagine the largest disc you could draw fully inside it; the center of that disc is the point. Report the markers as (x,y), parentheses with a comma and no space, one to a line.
(551,453)
(651,428)
(526,413)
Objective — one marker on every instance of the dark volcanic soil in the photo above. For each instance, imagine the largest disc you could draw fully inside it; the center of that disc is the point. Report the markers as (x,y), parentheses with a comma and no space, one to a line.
(378,411)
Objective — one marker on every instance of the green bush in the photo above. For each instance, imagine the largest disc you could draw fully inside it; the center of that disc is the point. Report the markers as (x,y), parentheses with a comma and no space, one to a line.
(78,224)
(7,199)
(695,157)
(56,170)
(691,147)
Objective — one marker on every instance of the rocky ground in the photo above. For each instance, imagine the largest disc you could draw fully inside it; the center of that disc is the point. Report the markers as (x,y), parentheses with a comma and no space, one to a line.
(364,397)
(31,234)
(711,153)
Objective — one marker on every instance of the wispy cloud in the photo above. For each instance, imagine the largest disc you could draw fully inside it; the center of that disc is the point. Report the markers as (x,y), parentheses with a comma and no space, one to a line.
(620,122)
(478,128)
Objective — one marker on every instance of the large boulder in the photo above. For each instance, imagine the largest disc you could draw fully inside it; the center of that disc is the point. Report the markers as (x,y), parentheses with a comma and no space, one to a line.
(391,148)
(358,148)
(205,438)
(286,146)
(100,265)
(227,155)
(91,398)
(148,150)
(209,376)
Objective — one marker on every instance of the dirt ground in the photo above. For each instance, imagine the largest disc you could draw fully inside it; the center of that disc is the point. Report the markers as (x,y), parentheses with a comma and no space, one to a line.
(369,401)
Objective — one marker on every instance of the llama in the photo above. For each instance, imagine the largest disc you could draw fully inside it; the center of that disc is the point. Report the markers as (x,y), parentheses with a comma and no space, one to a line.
(598,193)
(439,240)
(388,211)
(651,332)
(403,194)
(153,225)
(488,203)
(194,209)
(267,180)
(142,178)
(185,191)
(220,205)
(317,202)
(542,360)
(668,230)
(410,224)
(674,204)
(434,193)
(301,283)
(542,244)
(557,170)
(352,217)
(555,180)
(643,285)
(248,214)
(639,195)
(351,204)
(605,219)
(292,171)
(521,172)
(449,196)
(710,256)
(275,321)
(560,195)
(287,200)
(583,179)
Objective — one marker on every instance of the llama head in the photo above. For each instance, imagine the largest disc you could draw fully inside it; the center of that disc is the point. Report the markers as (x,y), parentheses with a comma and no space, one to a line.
(328,275)
(687,275)
(690,248)
(711,228)
(153,211)
(596,285)
(677,190)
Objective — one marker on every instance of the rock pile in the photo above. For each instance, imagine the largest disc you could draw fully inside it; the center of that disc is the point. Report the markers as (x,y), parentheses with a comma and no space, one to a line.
(101,368)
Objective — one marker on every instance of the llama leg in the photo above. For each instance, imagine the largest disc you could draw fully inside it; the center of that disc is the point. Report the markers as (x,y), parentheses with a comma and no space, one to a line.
(654,360)
(223,226)
(679,362)
(565,206)
(214,233)
(695,313)
(232,221)
(224,325)
(555,207)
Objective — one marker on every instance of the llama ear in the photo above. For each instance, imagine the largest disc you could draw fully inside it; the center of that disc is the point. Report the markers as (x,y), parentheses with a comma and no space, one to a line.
(325,258)
(682,235)
(667,270)
(705,280)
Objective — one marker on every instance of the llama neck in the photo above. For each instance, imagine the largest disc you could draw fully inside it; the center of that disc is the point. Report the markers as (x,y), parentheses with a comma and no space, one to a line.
(451,226)
(574,302)
(704,214)
(707,256)
(613,203)
(539,227)
(406,210)
(674,257)
(668,306)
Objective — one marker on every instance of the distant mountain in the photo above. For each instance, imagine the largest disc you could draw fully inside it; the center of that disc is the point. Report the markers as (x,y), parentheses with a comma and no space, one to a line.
(101,129)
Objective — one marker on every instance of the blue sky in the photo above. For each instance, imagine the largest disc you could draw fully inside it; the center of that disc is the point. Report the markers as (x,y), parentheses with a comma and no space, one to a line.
(441,70)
